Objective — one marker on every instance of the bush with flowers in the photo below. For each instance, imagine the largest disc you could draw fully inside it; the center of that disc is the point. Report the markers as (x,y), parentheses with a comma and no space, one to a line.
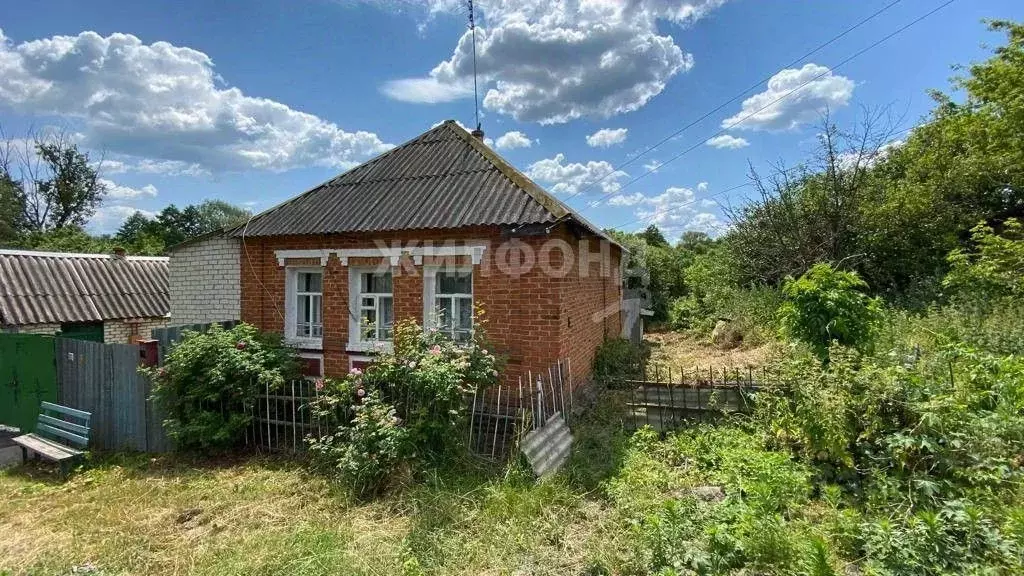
(410,407)
(209,378)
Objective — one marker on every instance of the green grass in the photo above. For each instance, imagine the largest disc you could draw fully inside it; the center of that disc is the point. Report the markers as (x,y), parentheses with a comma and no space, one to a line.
(624,506)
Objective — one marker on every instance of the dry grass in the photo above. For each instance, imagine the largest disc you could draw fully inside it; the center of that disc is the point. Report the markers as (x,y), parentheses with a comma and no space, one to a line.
(683,351)
(134,515)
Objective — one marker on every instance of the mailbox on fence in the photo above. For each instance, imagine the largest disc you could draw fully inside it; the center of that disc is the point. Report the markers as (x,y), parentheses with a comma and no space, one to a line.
(149,352)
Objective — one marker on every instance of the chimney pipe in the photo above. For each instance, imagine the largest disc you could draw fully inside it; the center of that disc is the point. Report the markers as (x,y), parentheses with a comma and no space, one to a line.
(478,132)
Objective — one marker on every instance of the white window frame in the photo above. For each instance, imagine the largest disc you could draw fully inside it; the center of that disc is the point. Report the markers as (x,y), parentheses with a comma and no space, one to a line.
(430,295)
(291,308)
(355,301)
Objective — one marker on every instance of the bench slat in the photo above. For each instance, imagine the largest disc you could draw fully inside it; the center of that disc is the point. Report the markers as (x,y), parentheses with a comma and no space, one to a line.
(46,448)
(57,423)
(81,440)
(65,410)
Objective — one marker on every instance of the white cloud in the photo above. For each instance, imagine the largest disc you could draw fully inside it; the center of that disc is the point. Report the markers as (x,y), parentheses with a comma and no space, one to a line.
(552,61)
(673,211)
(702,187)
(823,90)
(849,160)
(108,218)
(120,192)
(425,90)
(728,141)
(166,103)
(626,200)
(606,137)
(653,165)
(574,177)
(513,139)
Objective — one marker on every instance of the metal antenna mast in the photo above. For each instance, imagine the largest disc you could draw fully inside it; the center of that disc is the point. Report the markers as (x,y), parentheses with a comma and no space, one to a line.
(476,98)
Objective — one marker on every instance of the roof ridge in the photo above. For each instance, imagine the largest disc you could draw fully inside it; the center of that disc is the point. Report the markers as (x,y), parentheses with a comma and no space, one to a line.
(92,255)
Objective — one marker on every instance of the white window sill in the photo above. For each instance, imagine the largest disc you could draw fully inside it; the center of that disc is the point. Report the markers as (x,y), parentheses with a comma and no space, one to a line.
(369,347)
(305,343)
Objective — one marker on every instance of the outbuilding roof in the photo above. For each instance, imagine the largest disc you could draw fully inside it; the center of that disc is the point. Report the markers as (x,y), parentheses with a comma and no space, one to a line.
(56,287)
(443,178)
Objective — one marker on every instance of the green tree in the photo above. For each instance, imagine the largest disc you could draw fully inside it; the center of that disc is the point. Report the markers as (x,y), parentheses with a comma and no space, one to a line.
(826,305)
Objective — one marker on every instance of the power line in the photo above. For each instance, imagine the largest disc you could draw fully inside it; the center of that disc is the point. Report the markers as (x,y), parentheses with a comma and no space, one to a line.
(736,97)
(772,103)
(671,209)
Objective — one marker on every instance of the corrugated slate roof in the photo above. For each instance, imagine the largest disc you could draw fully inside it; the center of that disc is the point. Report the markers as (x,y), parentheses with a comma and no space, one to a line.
(443,178)
(52,287)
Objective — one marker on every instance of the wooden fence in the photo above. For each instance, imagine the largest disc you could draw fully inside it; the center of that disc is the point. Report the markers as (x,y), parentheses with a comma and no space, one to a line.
(104,379)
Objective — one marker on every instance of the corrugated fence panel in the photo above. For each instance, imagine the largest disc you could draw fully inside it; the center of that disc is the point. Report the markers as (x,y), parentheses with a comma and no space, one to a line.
(171,334)
(548,448)
(81,369)
(103,379)
(27,378)
(127,398)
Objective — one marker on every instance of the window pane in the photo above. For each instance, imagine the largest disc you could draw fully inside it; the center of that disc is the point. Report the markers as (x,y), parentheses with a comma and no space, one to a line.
(369,302)
(373,283)
(386,318)
(454,282)
(444,313)
(310,282)
(368,324)
(465,313)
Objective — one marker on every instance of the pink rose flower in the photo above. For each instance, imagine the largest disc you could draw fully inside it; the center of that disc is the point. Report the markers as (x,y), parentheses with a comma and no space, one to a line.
(436,350)
(355,372)
(241,345)
(319,384)
(360,392)
(484,352)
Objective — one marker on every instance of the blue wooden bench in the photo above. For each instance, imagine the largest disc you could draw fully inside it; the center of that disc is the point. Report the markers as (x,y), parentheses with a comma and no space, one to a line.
(57,438)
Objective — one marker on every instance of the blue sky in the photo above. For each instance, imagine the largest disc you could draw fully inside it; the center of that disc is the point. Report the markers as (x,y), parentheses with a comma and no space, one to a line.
(254,102)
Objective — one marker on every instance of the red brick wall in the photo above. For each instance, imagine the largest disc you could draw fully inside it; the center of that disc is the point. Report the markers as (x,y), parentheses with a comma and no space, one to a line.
(532,317)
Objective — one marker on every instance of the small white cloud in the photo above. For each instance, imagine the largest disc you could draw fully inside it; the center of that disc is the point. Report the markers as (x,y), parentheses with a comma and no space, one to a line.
(788,103)
(702,187)
(727,141)
(606,137)
(673,211)
(653,166)
(425,90)
(108,219)
(626,200)
(121,192)
(511,140)
(574,177)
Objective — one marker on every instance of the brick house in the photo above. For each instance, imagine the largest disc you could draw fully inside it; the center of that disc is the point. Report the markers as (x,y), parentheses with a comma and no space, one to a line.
(428,230)
(109,298)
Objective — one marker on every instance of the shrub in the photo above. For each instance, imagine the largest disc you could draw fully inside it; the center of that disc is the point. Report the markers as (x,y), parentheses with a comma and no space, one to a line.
(617,359)
(210,378)
(826,305)
(993,271)
(410,403)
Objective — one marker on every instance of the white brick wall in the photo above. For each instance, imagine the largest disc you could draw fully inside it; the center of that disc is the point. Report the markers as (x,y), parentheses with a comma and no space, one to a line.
(119,331)
(34,329)
(205,282)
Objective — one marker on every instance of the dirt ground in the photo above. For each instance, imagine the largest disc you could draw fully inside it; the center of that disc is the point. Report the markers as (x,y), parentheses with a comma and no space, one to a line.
(683,351)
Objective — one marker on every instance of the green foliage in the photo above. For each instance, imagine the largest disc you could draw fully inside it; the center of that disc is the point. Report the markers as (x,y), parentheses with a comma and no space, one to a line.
(410,404)
(145,235)
(210,379)
(826,305)
(994,271)
(617,359)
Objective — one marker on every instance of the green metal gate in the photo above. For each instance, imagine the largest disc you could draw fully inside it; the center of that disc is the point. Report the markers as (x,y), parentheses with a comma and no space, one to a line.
(28,377)
(89,331)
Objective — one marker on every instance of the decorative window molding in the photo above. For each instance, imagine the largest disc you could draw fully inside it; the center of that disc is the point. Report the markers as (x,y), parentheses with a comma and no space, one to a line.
(308,338)
(457,301)
(283,255)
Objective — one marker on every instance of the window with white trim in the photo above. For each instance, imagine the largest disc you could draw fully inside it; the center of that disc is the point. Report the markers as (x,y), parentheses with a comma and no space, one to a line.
(303,325)
(453,303)
(376,307)
(306,288)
